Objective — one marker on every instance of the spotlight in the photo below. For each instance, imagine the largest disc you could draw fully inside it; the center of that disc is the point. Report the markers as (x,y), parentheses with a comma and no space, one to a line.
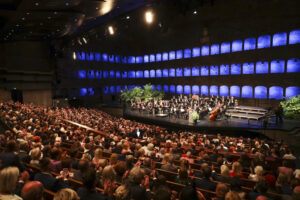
(195,12)
(111,30)
(149,17)
(84,40)
(74,56)
(128,17)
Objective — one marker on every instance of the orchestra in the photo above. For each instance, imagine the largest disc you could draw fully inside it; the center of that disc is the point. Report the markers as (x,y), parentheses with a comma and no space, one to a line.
(179,107)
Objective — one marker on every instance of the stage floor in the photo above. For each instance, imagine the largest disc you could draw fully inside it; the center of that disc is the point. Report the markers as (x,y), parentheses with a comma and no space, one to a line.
(206,124)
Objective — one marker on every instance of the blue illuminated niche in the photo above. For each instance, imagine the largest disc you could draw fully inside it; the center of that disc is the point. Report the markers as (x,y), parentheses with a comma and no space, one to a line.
(131,59)
(131,87)
(277,66)
(81,56)
(248,68)
(117,59)
(171,72)
(179,54)
(179,72)
(146,58)
(204,71)
(104,57)
(106,90)
(153,88)
(205,51)
(165,72)
(264,41)
(172,89)
(112,89)
(111,74)
(118,89)
(279,39)
(158,88)
(81,74)
(196,51)
(292,91)
(146,74)
(195,89)
(187,71)
(214,49)
(97,57)
(247,92)
(262,67)
(260,92)
(179,89)
(131,74)
(293,65)
(124,59)
(98,74)
(158,73)
(91,74)
(118,74)
(165,56)
(152,58)
(213,90)
(294,37)
(275,92)
(91,91)
(111,58)
(158,57)
(152,73)
(83,91)
(250,44)
(124,74)
(166,88)
(139,59)
(172,55)
(90,56)
(214,70)
(195,71)
(187,89)
(139,74)
(224,90)
(204,89)
(225,47)
(187,53)
(235,69)
(237,45)
(235,91)
(105,74)
(224,69)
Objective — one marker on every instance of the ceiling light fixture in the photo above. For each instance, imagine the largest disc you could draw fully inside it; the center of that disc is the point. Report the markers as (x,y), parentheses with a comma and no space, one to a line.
(195,12)
(111,30)
(84,40)
(149,17)
(74,56)
(36,3)
(23,18)
(128,17)
(67,4)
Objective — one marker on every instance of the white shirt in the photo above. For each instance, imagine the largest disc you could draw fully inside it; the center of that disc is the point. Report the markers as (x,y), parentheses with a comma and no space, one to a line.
(9,197)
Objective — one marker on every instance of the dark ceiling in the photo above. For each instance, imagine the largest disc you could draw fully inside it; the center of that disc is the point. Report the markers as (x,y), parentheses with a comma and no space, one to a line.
(52,19)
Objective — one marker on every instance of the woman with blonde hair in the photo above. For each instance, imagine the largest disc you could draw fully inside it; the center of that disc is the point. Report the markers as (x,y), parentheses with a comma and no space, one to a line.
(8,183)
(66,194)
(35,156)
(97,158)
(237,170)
(108,174)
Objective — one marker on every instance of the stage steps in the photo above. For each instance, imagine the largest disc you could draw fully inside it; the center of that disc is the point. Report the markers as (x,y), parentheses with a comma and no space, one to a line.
(246,112)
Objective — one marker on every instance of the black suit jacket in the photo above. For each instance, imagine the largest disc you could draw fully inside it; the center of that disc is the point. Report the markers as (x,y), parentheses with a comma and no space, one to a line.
(10,159)
(206,184)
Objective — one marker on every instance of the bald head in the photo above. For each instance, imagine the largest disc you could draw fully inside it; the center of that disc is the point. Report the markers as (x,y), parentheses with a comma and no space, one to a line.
(261,197)
(221,190)
(33,190)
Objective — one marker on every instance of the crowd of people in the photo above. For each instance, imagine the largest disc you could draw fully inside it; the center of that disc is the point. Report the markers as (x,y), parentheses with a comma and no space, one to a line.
(179,107)
(45,148)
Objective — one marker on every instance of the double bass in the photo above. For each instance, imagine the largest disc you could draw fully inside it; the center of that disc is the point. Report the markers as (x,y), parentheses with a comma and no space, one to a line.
(215,114)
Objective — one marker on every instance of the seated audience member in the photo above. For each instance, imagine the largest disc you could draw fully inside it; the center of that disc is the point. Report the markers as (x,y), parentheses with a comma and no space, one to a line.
(35,156)
(183,177)
(235,186)
(237,170)
(162,194)
(206,182)
(286,169)
(261,188)
(55,160)
(8,158)
(83,166)
(122,193)
(282,185)
(108,176)
(258,174)
(47,179)
(225,175)
(88,190)
(221,191)
(8,183)
(66,194)
(138,184)
(232,196)
(167,163)
(33,190)
(191,193)
(296,193)
(23,153)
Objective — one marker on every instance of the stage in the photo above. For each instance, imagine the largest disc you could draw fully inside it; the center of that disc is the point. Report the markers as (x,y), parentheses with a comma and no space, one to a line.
(224,124)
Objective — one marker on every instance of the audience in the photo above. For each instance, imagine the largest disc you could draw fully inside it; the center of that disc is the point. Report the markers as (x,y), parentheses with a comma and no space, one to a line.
(8,183)
(33,190)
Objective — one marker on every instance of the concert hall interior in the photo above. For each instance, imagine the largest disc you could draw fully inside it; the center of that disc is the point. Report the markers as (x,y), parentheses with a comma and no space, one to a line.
(149,99)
